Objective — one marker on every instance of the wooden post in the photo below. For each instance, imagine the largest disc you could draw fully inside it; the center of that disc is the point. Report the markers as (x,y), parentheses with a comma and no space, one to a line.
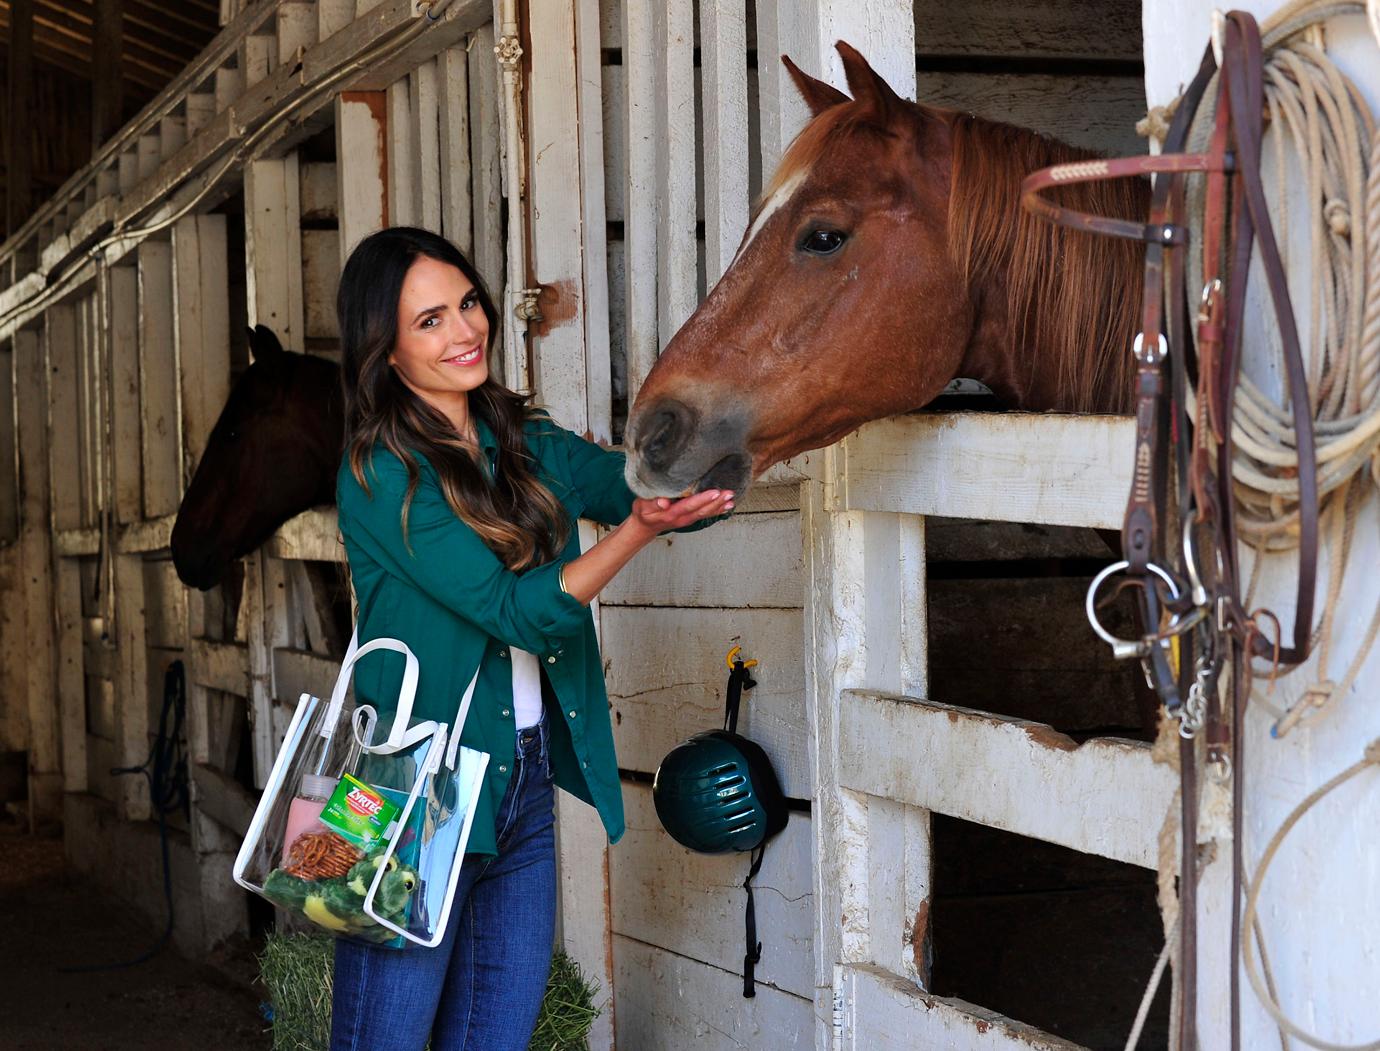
(676,271)
(124,376)
(402,156)
(723,72)
(62,624)
(107,80)
(158,400)
(273,248)
(361,165)
(19,154)
(555,246)
(640,197)
(598,357)
(453,101)
(48,766)
(201,329)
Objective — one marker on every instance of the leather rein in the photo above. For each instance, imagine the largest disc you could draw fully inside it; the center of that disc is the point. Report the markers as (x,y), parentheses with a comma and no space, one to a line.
(1180,559)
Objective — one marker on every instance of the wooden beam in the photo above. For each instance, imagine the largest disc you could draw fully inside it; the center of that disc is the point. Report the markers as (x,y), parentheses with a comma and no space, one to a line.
(222,798)
(361,150)
(1105,797)
(876,1009)
(19,99)
(107,85)
(201,328)
(1010,467)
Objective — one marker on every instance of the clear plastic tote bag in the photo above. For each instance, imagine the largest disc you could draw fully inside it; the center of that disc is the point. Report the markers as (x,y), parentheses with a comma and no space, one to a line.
(365,837)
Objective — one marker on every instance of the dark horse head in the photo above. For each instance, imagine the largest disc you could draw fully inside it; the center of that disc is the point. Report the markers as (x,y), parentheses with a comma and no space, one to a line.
(272,454)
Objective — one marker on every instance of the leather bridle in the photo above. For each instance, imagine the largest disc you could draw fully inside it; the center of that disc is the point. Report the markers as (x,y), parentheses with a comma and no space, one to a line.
(1180,559)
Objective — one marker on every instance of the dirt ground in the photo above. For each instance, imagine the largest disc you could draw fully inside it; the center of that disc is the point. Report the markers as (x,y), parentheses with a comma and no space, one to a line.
(50,920)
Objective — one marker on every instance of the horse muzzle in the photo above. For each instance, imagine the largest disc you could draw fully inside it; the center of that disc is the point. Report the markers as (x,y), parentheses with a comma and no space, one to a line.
(675,448)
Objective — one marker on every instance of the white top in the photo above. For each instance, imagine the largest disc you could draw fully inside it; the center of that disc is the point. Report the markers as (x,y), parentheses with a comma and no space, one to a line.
(526,688)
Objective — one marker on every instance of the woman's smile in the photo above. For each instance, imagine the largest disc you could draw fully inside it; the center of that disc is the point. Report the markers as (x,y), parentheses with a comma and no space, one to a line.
(466,358)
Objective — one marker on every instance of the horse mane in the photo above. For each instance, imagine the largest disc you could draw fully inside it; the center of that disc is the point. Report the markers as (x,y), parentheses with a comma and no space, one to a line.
(1072,297)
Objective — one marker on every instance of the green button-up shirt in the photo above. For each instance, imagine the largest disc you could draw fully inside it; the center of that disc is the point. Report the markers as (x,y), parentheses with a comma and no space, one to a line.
(444,593)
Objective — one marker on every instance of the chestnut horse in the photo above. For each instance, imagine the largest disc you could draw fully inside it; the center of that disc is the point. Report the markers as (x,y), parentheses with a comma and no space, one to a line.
(272,454)
(888,255)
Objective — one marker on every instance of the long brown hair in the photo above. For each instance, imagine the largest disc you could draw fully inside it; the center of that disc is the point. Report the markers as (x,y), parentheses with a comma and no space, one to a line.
(1071,295)
(514,514)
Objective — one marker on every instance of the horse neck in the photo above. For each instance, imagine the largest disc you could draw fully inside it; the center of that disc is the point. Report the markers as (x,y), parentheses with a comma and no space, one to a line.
(1055,309)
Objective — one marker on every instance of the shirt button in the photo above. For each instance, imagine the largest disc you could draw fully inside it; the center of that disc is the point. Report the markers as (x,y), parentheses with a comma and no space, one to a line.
(503,654)
(585,764)
(573,713)
(502,769)
(506,713)
(551,659)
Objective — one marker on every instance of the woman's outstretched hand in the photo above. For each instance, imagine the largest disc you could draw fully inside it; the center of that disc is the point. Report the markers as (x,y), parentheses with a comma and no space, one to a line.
(662,513)
(586,576)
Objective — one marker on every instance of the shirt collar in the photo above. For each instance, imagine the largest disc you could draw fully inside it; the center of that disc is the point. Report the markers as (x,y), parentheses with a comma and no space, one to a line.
(487,440)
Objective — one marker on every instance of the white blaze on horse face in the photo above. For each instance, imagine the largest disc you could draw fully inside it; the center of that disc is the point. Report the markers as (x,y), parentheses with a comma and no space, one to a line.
(775,202)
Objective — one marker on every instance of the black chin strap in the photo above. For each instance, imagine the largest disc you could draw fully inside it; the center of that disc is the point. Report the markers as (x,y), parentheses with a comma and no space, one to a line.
(740,679)
(754,947)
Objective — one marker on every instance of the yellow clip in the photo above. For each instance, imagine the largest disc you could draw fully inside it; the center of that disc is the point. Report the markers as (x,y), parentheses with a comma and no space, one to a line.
(733,654)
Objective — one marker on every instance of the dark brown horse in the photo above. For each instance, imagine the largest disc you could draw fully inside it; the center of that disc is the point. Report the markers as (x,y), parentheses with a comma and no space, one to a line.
(272,454)
(887,256)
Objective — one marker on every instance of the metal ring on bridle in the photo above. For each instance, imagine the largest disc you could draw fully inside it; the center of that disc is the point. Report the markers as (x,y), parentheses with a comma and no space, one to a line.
(1160,352)
(1124,648)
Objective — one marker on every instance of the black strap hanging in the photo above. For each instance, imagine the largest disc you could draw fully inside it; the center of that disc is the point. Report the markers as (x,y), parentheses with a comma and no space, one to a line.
(740,679)
(754,948)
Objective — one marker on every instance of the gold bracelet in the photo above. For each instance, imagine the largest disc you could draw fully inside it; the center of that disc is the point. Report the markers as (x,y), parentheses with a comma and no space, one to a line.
(560,576)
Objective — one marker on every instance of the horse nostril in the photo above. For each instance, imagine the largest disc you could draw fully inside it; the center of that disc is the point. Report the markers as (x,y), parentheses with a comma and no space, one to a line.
(665,433)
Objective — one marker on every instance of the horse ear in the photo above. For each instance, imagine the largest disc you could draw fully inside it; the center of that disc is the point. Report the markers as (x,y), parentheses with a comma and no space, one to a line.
(264,344)
(865,82)
(818,94)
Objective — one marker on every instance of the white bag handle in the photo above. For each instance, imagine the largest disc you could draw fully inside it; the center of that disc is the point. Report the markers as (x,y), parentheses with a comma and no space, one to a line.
(400,736)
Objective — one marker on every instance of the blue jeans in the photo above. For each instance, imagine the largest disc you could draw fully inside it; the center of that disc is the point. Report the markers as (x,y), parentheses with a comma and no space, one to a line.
(481,988)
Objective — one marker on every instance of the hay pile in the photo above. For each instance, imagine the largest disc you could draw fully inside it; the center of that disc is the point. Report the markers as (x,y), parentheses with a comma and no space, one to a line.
(296,969)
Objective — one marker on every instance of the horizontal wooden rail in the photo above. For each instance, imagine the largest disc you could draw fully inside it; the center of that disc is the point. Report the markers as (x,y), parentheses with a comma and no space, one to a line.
(1011,467)
(878,1009)
(1105,796)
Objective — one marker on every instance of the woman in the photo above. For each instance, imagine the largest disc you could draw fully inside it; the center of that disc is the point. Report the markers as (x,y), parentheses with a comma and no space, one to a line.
(458,505)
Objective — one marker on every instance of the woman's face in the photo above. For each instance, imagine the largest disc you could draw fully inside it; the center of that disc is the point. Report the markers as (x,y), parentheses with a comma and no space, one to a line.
(443,335)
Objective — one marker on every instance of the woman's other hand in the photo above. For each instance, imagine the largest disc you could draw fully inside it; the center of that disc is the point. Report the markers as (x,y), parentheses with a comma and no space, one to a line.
(662,513)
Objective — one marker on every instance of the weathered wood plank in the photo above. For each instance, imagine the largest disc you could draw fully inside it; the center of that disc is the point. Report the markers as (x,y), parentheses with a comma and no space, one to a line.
(882,1010)
(560,377)
(453,115)
(640,224)
(402,156)
(150,535)
(1094,111)
(126,418)
(747,561)
(666,679)
(131,676)
(320,278)
(1061,470)
(60,352)
(222,798)
(296,672)
(1103,797)
(333,15)
(201,328)
(220,666)
(676,277)
(312,535)
(665,1002)
(589,99)
(487,165)
(273,247)
(425,136)
(318,194)
(361,123)
(1044,29)
(158,381)
(723,73)
(666,895)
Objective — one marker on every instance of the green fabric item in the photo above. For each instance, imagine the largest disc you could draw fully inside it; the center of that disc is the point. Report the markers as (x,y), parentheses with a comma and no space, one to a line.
(450,599)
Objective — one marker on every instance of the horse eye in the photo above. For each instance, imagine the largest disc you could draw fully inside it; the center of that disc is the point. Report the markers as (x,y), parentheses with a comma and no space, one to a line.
(823,242)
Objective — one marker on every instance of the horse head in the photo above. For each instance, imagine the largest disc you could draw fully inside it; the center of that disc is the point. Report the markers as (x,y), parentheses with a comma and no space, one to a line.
(886,256)
(272,454)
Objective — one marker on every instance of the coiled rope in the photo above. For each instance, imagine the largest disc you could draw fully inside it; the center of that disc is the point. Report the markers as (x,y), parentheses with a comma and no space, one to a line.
(1321,122)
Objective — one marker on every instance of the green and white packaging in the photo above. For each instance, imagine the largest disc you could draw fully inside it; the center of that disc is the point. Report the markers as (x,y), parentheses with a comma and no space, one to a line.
(359,813)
